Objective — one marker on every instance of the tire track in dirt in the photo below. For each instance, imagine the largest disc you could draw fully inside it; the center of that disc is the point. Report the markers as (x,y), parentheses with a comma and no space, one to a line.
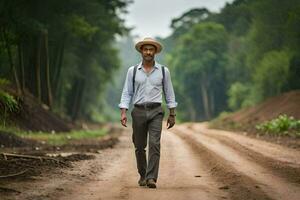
(279,168)
(261,177)
(193,166)
(239,186)
(181,176)
(281,153)
(194,176)
(109,183)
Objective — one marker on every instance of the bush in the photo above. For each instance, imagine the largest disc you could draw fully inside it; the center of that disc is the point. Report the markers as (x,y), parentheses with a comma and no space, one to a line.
(8,103)
(271,74)
(237,94)
(282,125)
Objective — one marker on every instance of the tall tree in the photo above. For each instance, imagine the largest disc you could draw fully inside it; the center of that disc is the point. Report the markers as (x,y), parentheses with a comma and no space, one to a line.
(200,57)
(60,42)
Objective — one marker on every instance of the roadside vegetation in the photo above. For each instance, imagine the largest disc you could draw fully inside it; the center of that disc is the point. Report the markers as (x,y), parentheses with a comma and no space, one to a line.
(57,138)
(221,122)
(282,125)
(8,103)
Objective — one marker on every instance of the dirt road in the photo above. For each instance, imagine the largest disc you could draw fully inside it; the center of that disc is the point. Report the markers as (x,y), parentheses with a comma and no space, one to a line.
(196,163)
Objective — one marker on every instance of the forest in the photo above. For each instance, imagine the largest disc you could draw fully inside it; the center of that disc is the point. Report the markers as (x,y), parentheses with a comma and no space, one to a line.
(61,51)
(236,58)
(67,55)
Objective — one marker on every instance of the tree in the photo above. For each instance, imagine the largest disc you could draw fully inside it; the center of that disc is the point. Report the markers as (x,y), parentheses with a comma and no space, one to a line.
(199,67)
(271,75)
(62,47)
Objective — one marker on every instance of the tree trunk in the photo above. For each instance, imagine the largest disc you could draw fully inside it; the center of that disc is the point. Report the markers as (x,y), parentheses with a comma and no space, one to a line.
(58,67)
(21,66)
(80,85)
(48,84)
(191,108)
(212,102)
(205,99)
(38,69)
(11,62)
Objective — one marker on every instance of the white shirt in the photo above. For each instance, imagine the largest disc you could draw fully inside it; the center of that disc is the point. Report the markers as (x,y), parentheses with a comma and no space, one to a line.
(148,87)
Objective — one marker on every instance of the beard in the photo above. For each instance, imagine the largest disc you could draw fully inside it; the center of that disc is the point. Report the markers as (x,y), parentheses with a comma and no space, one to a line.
(148,58)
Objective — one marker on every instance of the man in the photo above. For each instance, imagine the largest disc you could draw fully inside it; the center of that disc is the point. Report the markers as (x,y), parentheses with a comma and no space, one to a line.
(144,86)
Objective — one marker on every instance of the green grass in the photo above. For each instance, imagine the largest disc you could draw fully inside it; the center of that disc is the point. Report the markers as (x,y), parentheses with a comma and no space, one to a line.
(58,139)
(218,122)
(63,138)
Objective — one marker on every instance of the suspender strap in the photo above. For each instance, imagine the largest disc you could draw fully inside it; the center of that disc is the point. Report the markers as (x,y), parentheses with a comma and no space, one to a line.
(163,79)
(133,77)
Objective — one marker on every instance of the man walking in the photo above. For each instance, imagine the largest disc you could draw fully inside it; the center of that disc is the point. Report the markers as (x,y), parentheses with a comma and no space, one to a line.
(144,86)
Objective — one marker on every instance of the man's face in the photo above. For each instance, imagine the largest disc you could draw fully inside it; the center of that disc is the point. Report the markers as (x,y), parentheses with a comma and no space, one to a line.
(148,52)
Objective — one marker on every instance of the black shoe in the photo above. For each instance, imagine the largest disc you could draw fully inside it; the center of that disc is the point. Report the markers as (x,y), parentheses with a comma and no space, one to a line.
(142,182)
(151,183)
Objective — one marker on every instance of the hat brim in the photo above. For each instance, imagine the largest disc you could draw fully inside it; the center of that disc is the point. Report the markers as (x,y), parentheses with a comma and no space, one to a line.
(139,45)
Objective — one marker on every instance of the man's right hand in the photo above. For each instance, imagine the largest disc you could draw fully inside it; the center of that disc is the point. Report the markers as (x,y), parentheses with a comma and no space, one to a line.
(123,118)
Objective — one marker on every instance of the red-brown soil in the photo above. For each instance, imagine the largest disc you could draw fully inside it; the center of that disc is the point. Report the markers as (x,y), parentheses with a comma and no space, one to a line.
(35,116)
(245,120)
(288,103)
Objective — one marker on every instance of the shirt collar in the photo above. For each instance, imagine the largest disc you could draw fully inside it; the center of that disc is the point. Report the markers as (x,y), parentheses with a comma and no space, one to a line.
(156,64)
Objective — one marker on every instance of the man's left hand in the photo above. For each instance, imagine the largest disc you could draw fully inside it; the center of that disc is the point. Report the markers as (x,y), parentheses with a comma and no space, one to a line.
(171,121)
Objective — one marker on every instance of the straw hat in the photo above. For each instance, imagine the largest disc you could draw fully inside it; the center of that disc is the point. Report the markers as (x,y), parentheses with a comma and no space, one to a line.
(150,41)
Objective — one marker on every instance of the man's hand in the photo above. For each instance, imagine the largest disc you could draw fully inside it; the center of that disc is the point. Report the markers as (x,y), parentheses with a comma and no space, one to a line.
(171,121)
(123,117)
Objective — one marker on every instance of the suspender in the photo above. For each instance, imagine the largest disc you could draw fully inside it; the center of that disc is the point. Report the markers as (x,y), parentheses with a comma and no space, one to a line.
(163,79)
(133,77)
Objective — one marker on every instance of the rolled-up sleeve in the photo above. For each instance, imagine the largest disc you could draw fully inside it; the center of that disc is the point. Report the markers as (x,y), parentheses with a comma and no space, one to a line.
(169,91)
(127,92)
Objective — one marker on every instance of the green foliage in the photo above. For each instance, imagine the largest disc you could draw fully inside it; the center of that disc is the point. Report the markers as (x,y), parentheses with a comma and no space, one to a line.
(282,125)
(182,24)
(54,138)
(7,101)
(80,27)
(8,104)
(4,82)
(271,74)
(75,37)
(241,56)
(219,61)
(199,61)
(293,82)
(236,17)
(237,93)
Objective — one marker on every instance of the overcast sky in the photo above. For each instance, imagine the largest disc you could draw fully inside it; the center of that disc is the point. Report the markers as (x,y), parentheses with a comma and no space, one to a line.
(152,18)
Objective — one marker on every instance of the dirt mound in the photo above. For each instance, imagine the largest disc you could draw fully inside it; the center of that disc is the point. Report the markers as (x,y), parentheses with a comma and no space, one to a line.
(11,140)
(35,116)
(287,103)
(247,119)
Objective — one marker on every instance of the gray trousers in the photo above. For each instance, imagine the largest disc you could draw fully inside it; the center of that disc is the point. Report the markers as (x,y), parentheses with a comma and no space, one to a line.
(144,122)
